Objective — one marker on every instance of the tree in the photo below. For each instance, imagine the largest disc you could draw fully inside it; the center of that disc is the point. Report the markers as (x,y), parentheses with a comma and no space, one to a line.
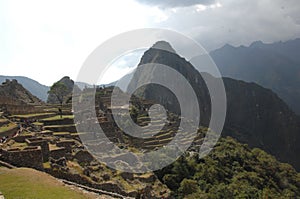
(188,186)
(59,90)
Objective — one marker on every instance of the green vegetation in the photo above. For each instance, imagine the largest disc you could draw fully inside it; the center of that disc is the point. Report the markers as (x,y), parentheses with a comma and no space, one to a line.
(59,90)
(231,170)
(28,183)
(32,115)
(61,133)
(37,123)
(58,126)
(46,165)
(58,117)
(19,145)
(7,127)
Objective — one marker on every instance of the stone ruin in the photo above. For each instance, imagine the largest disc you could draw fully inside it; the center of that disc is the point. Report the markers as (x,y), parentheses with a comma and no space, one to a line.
(57,146)
(30,156)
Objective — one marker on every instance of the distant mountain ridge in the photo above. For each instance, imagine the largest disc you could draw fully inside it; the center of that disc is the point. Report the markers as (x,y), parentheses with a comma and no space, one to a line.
(255,115)
(275,66)
(31,85)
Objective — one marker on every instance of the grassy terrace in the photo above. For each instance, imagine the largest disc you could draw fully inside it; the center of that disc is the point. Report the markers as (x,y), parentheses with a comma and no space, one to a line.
(61,133)
(57,117)
(7,127)
(58,126)
(53,147)
(2,120)
(54,109)
(27,116)
(38,123)
(26,183)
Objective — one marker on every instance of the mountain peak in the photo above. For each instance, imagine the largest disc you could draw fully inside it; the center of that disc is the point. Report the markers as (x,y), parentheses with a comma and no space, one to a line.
(227,47)
(8,81)
(163,45)
(65,78)
(256,44)
(11,89)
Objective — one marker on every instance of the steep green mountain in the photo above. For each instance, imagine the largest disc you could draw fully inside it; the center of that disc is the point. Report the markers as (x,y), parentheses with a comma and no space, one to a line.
(231,170)
(255,115)
(69,85)
(258,117)
(275,66)
(31,85)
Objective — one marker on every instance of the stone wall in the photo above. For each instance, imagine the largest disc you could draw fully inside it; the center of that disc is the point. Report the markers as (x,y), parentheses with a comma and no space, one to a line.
(42,143)
(11,106)
(62,121)
(83,156)
(4,122)
(28,157)
(61,128)
(10,132)
(83,180)
(23,109)
(57,153)
(67,144)
(21,138)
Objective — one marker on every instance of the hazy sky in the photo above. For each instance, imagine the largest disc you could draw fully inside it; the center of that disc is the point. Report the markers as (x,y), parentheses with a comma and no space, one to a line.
(46,40)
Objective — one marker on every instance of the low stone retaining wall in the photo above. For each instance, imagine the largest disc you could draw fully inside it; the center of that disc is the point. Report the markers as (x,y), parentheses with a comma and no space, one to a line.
(82,180)
(57,153)
(62,121)
(67,144)
(42,143)
(10,132)
(21,138)
(61,128)
(28,157)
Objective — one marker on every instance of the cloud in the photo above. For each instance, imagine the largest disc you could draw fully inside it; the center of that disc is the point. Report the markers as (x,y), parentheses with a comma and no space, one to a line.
(236,22)
(39,39)
(176,3)
(47,40)
(121,66)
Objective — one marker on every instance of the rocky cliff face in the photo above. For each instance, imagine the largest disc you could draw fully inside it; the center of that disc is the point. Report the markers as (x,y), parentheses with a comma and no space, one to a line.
(163,53)
(255,115)
(12,90)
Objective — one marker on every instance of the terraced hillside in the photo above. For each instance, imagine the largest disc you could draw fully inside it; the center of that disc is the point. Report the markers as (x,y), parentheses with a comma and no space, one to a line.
(49,142)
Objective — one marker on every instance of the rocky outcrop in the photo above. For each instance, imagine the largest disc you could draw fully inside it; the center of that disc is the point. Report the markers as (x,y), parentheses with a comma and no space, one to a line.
(12,92)
(31,85)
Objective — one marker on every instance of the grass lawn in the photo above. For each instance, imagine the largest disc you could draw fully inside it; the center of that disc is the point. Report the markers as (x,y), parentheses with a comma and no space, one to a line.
(61,133)
(57,117)
(28,183)
(32,115)
(7,127)
(2,120)
(19,145)
(38,123)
